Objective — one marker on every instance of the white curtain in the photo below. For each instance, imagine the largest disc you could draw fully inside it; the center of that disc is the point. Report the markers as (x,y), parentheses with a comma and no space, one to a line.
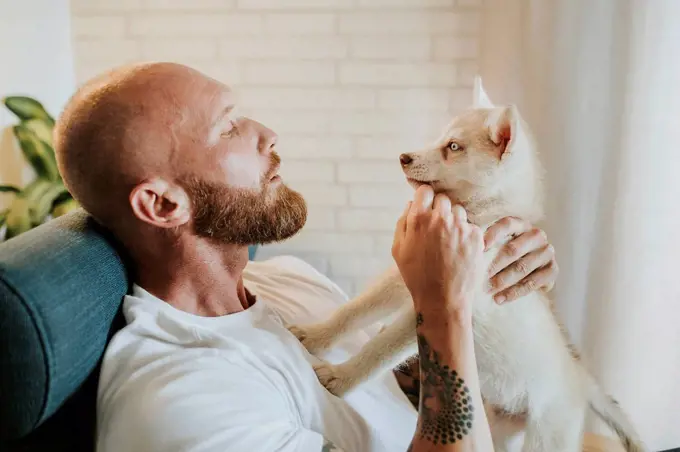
(599,83)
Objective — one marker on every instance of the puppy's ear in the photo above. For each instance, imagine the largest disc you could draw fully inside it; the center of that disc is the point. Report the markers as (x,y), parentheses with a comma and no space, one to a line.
(479,97)
(505,129)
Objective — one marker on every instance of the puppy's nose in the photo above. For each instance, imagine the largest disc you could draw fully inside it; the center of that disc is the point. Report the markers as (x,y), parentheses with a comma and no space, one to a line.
(405,159)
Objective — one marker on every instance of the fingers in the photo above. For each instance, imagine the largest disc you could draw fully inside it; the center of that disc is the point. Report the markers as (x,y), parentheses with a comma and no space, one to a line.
(422,203)
(442,205)
(459,215)
(503,229)
(543,277)
(527,242)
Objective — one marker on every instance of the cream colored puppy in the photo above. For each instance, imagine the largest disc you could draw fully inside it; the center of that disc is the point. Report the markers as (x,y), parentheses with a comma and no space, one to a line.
(485,161)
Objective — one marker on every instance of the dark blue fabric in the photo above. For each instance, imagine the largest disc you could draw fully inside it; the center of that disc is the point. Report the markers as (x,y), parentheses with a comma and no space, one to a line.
(61,286)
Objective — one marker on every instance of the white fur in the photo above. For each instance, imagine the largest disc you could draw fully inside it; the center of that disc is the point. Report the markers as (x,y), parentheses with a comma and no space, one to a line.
(524,361)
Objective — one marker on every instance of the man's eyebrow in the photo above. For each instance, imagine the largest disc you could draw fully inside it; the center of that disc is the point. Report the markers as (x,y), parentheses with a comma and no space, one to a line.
(218,124)
(222,114)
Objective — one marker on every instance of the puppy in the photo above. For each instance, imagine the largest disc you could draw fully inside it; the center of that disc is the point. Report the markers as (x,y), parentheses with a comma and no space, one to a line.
(485,161)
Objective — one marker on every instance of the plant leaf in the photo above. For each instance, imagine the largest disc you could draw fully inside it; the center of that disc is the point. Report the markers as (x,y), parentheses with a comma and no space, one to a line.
(18,219)
(9,189)
(3,216)
(64,207)
(38,153)
(42,129)
(26,108)
(41,205)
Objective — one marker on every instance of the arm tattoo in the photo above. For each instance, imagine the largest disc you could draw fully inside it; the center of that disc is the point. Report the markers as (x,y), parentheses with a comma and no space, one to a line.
(446,408)
(408,378)
(328,446)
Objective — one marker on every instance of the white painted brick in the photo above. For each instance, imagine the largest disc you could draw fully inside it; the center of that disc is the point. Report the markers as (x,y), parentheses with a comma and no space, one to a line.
(367,171)
(181,24)
(414,99)
(416,124)
(362,123)
(412,22)
(87,70)
(357,266)
(398,74)
(229,73)
(167,49)
(380,195)
(383,242)
(446,48)
(294,4)
(467,70)
(391,47)
(283,47)
(294,122)
(306,73)
(299,23)
(320,218)
(405,3)
(321,194)
(461,99)
(104,6)
(387,147)
(110,50)
(188,5)
(109,26)
(470,3)
(311,98)
(314,148)
(307,171)
(373,219)
(331,243)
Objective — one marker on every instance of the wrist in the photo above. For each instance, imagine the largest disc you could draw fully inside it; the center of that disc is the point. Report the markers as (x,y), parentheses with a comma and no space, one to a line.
(457,313)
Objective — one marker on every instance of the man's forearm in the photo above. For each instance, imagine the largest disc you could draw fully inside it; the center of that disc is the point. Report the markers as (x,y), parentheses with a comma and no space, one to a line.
(451,414)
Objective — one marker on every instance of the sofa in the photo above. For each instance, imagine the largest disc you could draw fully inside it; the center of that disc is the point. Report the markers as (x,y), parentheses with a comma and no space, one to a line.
(61,288)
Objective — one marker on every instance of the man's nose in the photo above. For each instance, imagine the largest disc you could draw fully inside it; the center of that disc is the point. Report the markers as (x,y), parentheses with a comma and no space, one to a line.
(405,159)
(268,139)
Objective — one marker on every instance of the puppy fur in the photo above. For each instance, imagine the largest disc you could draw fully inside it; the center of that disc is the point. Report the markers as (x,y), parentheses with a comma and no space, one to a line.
(530,376)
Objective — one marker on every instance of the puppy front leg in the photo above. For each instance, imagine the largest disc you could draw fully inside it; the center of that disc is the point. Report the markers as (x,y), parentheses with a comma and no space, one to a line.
(386,296)
(382,353)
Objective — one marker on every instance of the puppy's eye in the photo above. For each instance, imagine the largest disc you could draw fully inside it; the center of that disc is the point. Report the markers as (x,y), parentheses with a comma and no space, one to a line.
(455,147)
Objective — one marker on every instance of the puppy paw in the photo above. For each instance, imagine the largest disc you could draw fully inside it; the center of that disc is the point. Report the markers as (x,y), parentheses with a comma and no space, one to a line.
(334,378)
(315,340)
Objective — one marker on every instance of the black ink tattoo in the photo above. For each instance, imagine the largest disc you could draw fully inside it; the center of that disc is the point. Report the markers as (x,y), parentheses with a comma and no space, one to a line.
(419,319)
(446,408)
(328,446)
(408,378)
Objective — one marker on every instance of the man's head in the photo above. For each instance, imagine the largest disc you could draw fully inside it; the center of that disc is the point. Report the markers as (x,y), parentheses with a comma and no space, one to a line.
(161,147)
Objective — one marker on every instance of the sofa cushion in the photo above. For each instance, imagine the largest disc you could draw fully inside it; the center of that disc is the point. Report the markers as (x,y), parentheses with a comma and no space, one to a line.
(61,286)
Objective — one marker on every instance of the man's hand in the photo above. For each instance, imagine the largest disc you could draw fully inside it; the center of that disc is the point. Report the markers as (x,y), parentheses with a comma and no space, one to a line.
(526,263)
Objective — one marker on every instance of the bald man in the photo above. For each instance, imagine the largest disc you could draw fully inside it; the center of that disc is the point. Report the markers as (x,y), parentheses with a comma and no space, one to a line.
(158,154)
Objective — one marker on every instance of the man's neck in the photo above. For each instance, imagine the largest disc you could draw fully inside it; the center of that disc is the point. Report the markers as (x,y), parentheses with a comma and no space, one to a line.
(199,277)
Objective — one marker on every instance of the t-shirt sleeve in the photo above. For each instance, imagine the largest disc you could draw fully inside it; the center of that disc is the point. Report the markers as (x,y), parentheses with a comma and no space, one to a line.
(184,409)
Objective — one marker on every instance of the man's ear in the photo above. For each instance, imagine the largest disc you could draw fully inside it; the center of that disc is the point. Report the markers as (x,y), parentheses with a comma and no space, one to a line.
(160,203)
(504,128)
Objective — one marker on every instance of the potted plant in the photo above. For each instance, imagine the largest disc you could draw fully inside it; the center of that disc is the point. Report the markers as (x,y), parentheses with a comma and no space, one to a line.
(46,196)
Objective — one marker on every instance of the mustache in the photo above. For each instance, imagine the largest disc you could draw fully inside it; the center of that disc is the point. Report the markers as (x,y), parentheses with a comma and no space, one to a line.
(274,165)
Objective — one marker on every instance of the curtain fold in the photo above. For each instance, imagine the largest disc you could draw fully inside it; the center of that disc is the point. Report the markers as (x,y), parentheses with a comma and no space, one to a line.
(598,83)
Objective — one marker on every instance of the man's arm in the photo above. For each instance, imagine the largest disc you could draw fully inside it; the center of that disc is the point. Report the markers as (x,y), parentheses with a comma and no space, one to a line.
(451,413)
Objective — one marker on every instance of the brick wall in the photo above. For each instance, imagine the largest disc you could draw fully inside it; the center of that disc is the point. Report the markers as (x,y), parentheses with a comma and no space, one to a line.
(347,84)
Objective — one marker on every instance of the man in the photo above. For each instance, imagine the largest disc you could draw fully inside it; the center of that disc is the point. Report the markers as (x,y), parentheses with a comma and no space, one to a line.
(156,153)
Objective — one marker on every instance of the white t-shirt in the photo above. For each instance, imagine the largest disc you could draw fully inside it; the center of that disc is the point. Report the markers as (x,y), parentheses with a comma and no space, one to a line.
(173,381)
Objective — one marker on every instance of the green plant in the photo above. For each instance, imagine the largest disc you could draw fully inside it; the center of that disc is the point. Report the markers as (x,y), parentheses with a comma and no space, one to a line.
(46,195)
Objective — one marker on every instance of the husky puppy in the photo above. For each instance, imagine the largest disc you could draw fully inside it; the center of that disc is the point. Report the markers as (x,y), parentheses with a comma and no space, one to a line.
(485,161)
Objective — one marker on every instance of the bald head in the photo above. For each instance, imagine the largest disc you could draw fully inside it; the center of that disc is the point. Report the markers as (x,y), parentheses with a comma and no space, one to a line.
(128,126)
(158,147)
